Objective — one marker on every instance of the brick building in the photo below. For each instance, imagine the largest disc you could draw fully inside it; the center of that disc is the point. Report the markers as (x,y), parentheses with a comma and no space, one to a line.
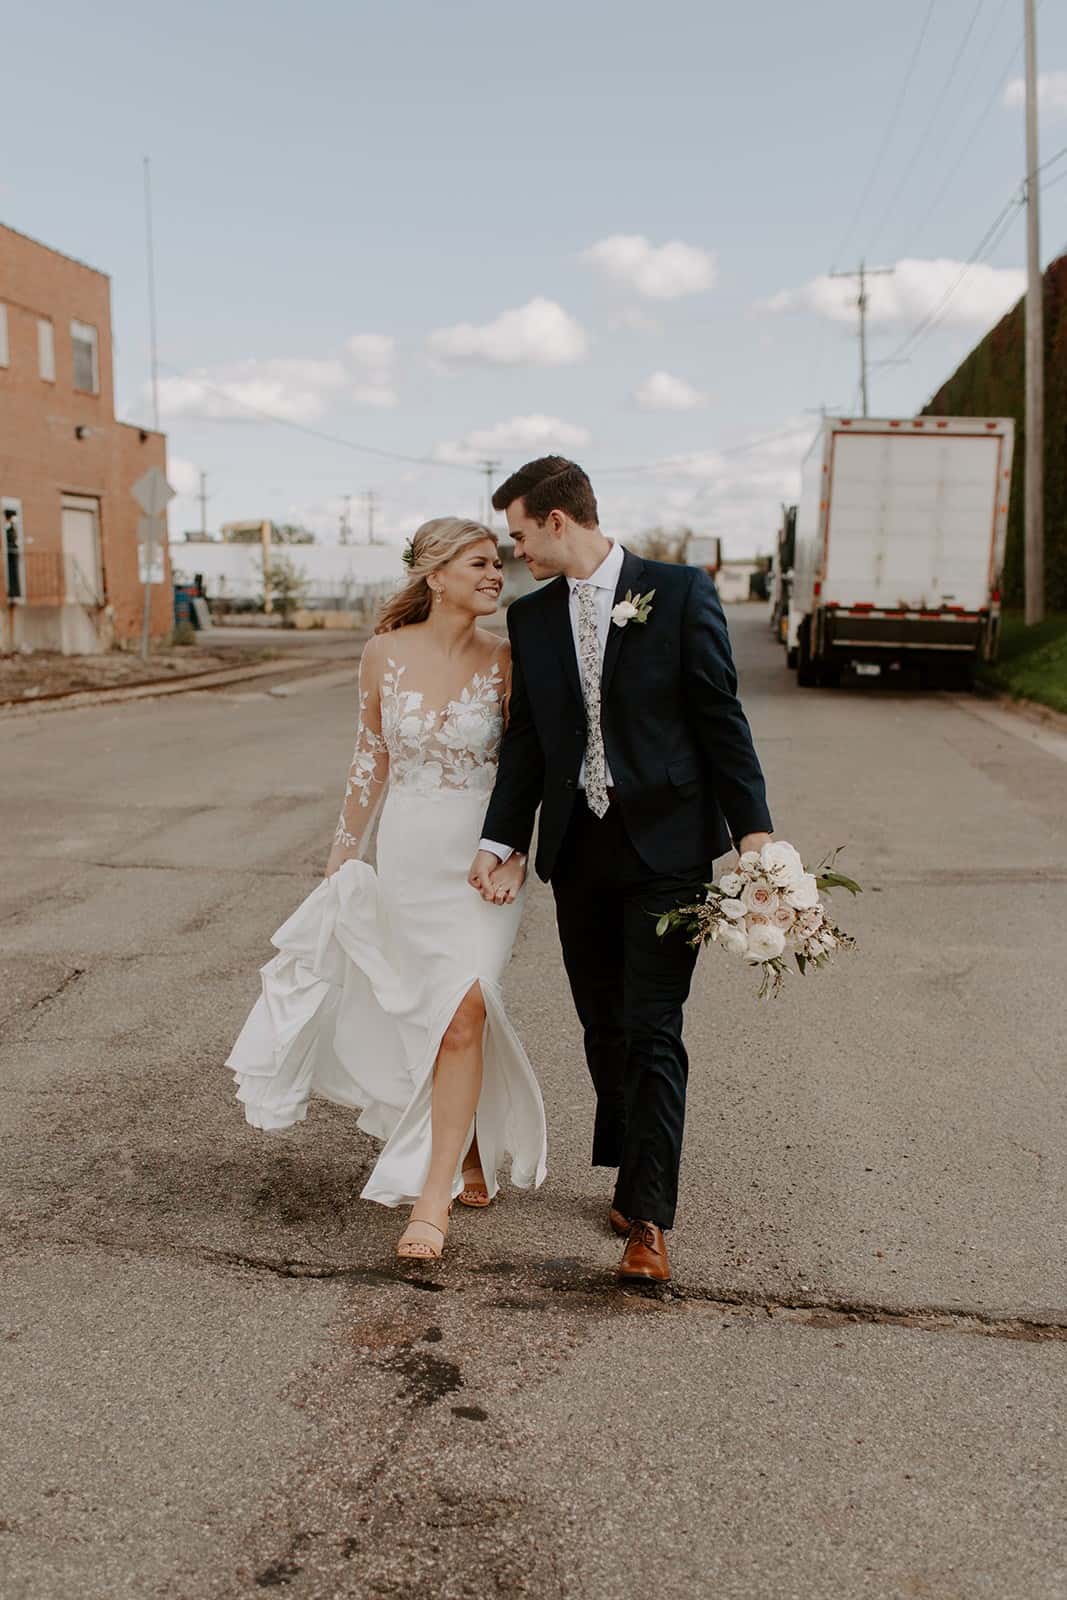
(69,577)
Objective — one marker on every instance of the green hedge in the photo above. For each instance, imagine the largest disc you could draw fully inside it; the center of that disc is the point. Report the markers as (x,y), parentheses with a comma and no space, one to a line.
(991,383)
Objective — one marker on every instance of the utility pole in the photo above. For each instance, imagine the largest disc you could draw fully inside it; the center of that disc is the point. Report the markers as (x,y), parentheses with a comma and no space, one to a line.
(346,519)
(863,273)
(150,253)
(203,498)
(490,468)
(1034,485)
(371,497)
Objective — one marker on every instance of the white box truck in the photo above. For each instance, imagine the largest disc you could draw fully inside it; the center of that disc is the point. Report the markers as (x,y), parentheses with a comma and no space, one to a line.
(899,544)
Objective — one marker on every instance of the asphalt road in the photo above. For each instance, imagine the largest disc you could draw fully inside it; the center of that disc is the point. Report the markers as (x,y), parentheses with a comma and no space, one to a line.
(215,1380)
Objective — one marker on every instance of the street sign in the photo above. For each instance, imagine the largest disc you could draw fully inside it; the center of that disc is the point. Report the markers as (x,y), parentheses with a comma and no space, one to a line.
(152,492)
(150,560)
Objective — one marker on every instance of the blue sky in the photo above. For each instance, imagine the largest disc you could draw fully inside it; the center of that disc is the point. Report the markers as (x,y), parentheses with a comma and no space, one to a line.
(350,197)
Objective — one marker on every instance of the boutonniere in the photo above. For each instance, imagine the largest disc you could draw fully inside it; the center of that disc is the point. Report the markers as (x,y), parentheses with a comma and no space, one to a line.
(635,608)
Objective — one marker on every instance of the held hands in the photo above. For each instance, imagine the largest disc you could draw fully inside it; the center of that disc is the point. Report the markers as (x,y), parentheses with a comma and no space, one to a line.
(497,884)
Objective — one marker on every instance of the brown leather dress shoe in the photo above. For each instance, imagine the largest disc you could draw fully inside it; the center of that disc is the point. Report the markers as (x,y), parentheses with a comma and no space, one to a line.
(645,1257)
(619,1223)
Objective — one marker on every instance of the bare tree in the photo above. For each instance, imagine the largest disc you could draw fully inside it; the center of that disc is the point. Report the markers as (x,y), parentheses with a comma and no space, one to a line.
(659,544)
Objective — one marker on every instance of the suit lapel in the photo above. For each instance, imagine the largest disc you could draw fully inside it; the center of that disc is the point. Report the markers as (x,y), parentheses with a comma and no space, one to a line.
(558,606)
(629,580)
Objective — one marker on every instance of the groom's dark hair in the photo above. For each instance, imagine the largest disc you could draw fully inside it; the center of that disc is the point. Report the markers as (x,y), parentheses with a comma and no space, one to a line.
(551,483)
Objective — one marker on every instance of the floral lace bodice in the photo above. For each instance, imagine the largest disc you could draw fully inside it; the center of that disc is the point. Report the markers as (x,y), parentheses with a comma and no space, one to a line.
(405,742)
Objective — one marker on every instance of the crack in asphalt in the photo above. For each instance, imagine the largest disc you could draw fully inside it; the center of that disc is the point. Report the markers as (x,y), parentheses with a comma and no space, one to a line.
(53,994)
(568,1276)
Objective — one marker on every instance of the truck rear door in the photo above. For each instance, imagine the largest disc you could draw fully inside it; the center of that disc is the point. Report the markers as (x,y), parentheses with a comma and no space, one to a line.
(911,520)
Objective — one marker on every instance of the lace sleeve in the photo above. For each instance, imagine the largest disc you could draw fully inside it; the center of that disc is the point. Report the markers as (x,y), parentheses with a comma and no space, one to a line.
(369,773)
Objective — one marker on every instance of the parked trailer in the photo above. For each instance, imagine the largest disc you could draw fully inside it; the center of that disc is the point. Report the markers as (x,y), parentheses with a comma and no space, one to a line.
(899,545)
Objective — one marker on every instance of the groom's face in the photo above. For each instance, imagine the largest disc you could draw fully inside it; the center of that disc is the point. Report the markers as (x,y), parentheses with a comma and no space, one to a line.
(539,544)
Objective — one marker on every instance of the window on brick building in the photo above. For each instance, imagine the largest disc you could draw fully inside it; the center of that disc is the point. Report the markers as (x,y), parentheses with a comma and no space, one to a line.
(5,359)
(14,555)
(46,350)
(86,365)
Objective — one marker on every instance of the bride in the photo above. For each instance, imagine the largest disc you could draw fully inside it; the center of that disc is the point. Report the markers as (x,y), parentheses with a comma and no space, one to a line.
(385,992)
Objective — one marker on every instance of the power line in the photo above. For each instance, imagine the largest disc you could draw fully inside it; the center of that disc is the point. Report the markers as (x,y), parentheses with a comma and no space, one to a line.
(676,464)
(894,118)
(989,240)
(1052,160)
(318,433)
(968,143)
(939,106)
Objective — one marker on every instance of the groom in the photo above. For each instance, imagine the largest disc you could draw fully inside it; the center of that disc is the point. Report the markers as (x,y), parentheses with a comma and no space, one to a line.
(624,726)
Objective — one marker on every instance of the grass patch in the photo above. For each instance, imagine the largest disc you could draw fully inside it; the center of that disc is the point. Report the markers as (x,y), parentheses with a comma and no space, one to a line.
(1033,662)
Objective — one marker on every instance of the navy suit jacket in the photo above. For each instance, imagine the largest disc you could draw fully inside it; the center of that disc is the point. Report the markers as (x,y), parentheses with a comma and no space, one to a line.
(686,774)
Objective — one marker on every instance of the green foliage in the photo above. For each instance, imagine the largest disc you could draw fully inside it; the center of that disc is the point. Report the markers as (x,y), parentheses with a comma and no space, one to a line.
(1033,662)
(992,383)
(287,587)
(184,633)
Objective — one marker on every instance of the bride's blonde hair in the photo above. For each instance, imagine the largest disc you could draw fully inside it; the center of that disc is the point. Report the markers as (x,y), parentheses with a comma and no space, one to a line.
(432,545)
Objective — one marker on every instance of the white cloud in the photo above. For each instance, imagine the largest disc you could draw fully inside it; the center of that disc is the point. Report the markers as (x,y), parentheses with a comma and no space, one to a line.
(538,334)
(183,476)
(293,389)
(663,392)
(1051,93)
(659,272)
(980,294)
(374,354)
(530,435)
(735,492)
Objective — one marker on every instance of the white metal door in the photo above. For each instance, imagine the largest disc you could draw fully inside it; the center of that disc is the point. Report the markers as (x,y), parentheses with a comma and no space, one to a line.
(81,550)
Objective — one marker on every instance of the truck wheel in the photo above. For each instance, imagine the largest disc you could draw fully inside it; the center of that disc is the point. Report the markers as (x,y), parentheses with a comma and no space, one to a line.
(807,670)
(791,659)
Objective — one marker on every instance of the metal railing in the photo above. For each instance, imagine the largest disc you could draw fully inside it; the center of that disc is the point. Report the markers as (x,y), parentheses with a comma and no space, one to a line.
(56,578)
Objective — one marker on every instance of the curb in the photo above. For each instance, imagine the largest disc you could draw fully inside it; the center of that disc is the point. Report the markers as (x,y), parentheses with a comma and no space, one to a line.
(167,686)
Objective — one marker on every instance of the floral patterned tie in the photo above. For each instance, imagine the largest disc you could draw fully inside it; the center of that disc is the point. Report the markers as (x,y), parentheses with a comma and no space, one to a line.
(596,788)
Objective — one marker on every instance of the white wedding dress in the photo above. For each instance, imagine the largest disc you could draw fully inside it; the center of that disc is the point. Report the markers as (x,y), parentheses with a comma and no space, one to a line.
(373,965)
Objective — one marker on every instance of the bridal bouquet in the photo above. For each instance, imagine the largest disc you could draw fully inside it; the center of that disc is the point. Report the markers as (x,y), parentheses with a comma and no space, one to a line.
(767,909)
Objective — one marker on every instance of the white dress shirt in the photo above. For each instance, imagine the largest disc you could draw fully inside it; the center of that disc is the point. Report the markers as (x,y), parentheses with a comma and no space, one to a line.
(605,580)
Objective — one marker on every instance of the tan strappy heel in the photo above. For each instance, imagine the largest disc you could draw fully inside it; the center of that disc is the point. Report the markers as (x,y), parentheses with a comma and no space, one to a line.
(476,1194)
(415,1249)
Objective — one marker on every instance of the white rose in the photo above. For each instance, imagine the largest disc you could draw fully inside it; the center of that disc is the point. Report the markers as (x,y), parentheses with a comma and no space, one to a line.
(783,917)
(748,865)
(803,895)
(623,613)
(765,942)
(759,897)
(733,937)
(810,921)
(782,864)
(731,883)
(733,910)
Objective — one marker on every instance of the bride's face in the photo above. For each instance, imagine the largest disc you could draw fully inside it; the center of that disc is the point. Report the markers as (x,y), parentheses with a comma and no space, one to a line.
(472,581)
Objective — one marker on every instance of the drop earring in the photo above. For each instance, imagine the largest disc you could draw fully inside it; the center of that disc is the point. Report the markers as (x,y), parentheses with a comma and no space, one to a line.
(437,597)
